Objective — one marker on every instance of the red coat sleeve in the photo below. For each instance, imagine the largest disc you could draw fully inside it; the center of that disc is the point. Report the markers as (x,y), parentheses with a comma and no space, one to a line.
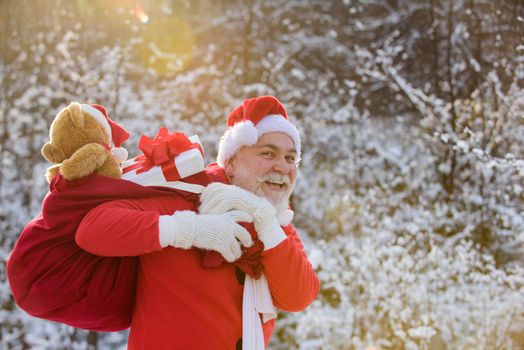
(292,281)
(126,227)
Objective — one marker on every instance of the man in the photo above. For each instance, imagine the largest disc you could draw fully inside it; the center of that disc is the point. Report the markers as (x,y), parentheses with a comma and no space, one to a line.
(181,302)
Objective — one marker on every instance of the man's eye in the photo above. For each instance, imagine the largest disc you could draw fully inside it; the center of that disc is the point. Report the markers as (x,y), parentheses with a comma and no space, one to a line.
(290,159)
(267,154)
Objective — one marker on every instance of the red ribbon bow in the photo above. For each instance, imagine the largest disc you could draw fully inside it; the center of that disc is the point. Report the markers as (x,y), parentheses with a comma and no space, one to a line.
(161,151)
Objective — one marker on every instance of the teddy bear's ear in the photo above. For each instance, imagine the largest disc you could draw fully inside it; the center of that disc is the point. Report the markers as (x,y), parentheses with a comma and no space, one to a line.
(75,115)
(52,154)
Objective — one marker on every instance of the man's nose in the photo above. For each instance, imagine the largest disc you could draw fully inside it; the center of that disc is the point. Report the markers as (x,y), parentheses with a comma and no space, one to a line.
(281,165)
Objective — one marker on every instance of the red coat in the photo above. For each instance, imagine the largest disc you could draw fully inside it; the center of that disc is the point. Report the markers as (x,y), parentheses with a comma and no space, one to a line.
(181,302)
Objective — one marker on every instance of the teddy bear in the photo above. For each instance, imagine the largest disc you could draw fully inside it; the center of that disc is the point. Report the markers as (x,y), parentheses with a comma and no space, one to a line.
(50,276)
(83,140)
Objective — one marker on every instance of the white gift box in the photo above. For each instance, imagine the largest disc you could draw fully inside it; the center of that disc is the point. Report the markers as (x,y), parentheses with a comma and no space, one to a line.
(187,163)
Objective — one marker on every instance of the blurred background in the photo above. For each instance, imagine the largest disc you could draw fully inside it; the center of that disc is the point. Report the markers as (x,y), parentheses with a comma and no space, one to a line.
(410,194)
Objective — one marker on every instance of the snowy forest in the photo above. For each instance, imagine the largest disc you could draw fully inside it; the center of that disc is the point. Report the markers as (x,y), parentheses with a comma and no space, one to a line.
(410,193)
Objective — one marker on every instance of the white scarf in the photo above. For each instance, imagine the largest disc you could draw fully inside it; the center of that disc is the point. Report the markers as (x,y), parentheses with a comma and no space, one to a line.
(257,300)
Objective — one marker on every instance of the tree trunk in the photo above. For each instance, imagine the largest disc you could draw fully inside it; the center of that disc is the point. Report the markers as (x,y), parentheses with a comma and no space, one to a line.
(434,47)
(248,27)
(5,105)
(92,340)
(450,152)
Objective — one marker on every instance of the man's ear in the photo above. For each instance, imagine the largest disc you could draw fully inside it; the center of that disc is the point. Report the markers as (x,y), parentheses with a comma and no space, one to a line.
(229,168)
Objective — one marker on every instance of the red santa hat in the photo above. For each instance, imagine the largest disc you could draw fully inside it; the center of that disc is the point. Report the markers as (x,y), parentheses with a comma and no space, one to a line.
(117,134)
(253,118)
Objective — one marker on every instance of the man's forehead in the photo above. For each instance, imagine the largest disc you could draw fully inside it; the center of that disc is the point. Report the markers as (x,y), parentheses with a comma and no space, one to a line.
(276,140)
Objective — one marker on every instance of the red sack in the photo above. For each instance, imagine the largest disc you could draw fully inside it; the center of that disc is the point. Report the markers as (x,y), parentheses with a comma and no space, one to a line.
(51,277)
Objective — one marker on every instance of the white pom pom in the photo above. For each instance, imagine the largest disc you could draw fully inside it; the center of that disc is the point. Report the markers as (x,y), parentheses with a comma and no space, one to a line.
(244,134)
(120,154)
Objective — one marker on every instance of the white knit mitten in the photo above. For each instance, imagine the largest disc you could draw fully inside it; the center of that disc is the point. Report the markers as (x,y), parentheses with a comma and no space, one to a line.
(220,198)
(218,232)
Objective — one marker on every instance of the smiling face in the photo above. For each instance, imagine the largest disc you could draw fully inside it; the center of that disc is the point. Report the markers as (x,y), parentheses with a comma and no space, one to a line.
(267,168)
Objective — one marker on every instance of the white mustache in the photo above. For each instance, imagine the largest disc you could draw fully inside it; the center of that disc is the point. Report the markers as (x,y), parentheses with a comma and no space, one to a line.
(278,178)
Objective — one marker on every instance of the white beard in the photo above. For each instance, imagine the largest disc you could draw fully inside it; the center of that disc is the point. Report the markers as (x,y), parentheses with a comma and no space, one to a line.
(243,178)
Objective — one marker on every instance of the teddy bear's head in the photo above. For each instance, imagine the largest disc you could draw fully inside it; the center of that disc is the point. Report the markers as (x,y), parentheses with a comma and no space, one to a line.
(81,142)
(71,129)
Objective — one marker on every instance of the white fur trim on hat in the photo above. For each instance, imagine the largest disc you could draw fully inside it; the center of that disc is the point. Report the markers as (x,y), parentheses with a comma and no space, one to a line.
(100,118)
(245,133)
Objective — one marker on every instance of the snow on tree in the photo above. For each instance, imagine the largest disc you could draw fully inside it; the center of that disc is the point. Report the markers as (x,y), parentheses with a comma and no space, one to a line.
(410,191)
